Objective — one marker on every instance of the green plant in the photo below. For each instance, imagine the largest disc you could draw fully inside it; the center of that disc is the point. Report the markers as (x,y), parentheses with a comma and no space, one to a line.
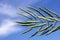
(45,21)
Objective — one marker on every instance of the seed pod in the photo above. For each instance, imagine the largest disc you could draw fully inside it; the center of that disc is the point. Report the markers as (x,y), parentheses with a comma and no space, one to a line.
(25,16)
(33,34)
(45,12)
(44,32)
(54,29)
(27,30)
(33,14)
(52,12)
(56,20)
(40,25)
(36,11)
(44,18)
(27,11)
(29,22)
(46,27)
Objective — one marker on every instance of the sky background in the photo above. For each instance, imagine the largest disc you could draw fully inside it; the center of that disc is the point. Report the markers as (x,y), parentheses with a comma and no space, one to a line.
(9,30)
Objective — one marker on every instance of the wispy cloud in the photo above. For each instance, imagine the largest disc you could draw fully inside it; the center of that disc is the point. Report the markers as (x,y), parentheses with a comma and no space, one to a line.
(7,9)
(8,27)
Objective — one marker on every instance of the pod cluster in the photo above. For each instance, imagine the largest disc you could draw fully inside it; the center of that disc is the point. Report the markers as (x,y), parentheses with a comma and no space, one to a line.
(43,19)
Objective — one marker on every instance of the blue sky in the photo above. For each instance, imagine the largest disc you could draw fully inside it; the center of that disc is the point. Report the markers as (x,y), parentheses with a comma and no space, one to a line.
(9,30)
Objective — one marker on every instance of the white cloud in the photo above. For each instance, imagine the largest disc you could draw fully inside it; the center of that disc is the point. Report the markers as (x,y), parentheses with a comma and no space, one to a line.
(7,10)
(8,27)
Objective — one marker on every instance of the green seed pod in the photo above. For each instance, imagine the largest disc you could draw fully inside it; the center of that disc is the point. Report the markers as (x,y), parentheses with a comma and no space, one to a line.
(27,30)
(27,24)
(32,13)
(42,33)
(54,29)
(56,20)
(52,12)
(33,34)
(40,25)
(36,11)
(44,18)
(46,27)
(25,16)
(28,12)
(45,12)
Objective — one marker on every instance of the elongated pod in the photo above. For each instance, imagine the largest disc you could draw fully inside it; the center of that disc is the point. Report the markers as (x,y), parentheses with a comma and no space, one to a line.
(52,12)
(36,11)
(54,29)
(25,16)
(45,12)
